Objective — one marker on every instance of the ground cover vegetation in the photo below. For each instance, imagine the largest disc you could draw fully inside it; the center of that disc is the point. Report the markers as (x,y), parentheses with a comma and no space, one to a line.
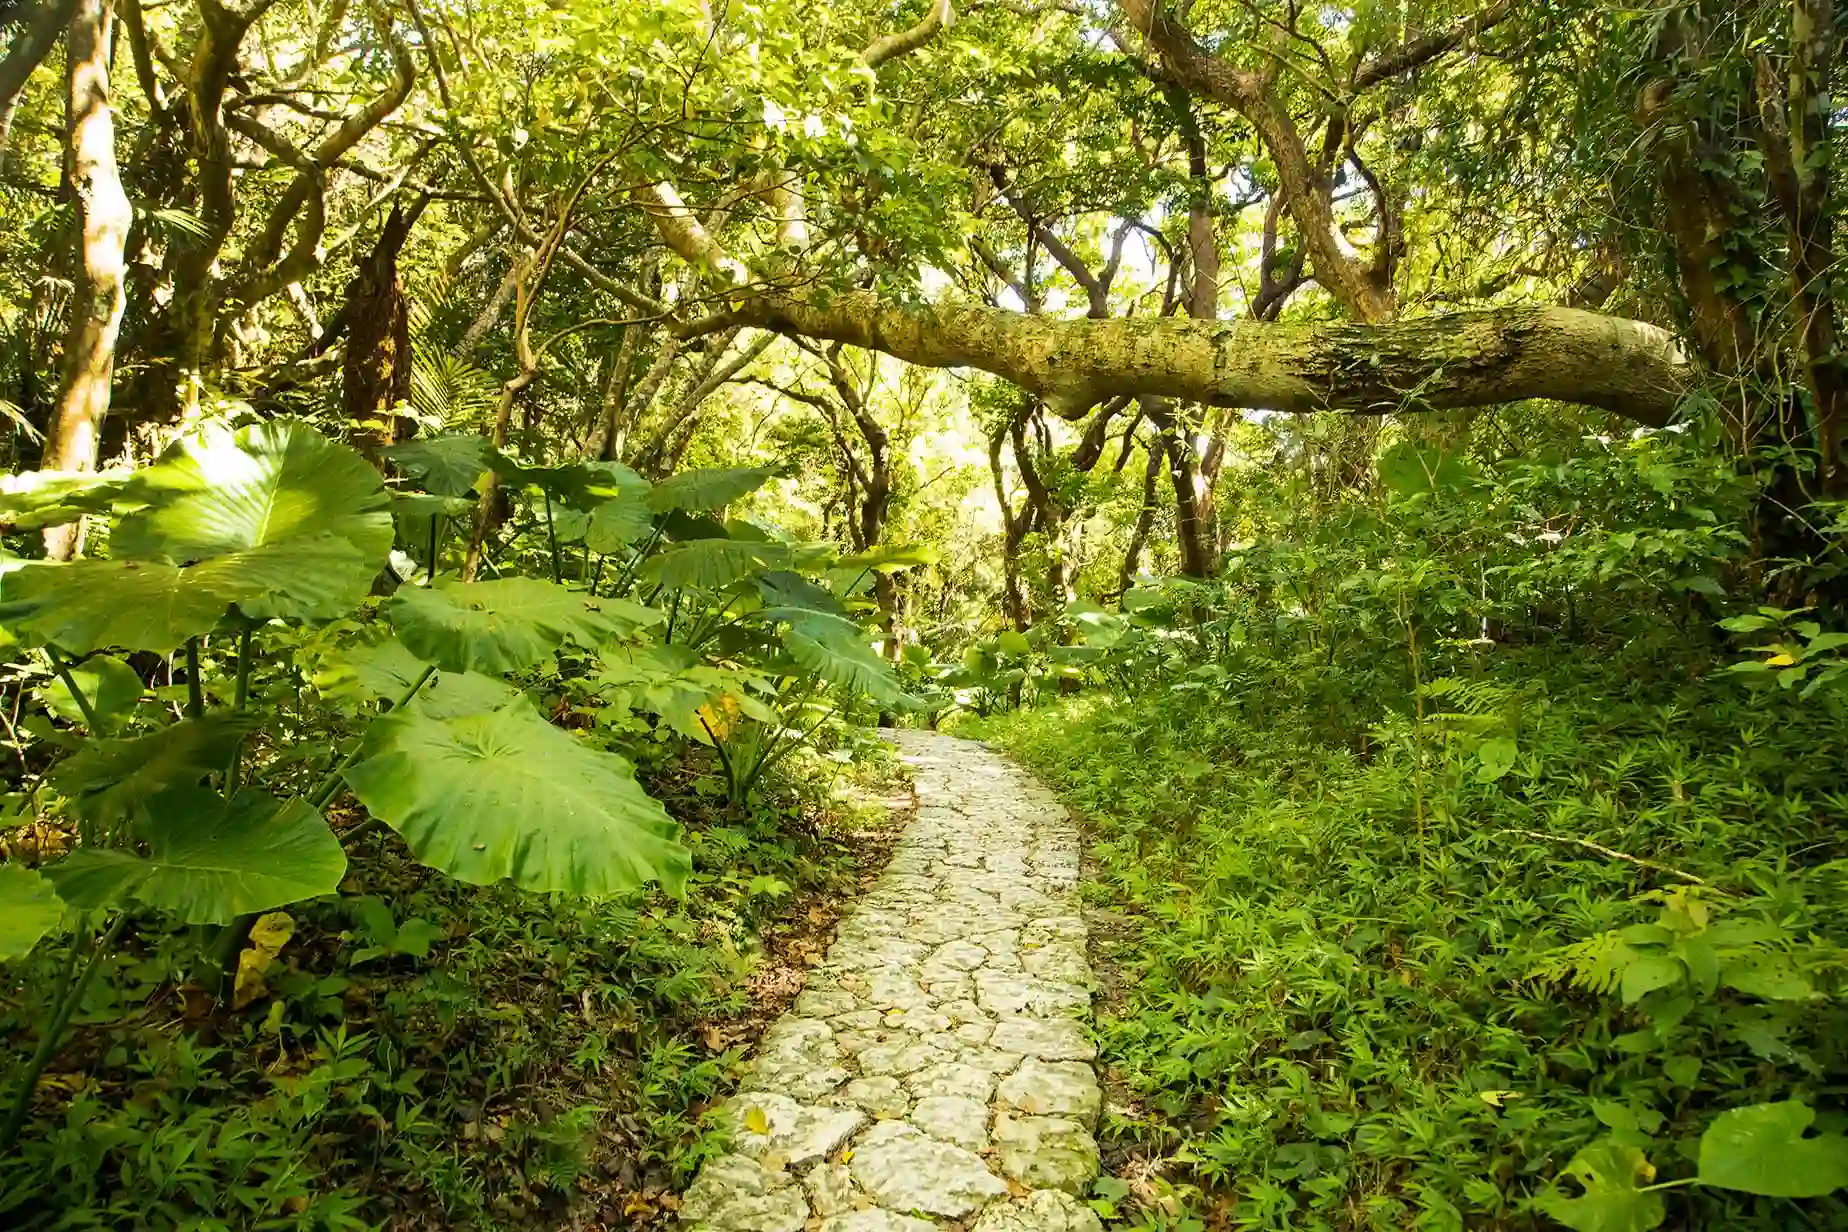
(478,473)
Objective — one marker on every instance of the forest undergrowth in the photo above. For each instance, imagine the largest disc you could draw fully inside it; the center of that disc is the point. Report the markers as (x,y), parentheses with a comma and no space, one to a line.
(1441,892)
(427,1054)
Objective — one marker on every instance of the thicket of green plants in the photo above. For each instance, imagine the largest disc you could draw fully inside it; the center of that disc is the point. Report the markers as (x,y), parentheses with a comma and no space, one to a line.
(1464,833)
(477,471)
(199,697)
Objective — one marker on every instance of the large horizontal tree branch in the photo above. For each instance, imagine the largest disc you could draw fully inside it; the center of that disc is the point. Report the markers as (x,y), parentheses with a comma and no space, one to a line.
(903,43)
(1465,359)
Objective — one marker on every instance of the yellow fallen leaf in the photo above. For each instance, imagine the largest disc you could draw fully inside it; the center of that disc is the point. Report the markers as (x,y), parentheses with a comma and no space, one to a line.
(756,1120)
(267,937)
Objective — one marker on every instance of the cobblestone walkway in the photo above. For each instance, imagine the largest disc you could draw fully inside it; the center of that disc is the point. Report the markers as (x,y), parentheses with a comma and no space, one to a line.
(936,1071)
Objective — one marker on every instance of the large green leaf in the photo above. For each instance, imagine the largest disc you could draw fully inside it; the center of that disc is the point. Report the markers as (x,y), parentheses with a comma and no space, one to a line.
(225,492)
(1410,468)
(837,651)
(211,859)
(29,908)
(1762,1149)
(579,485)
(508,796)
(713,564)
(109,781)
(791,590)
(443,465)
(702,491)
(384,672)
(109,685)
(1614,1200)
(131,604)
(272,518)
(34,499)
(506,624)
(891,557)
(615,524)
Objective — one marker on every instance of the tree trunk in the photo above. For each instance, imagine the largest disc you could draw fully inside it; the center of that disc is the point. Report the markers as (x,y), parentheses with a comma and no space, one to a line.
(39,26)
(376,369)
(1190,530)
(1145,517)
(104,216)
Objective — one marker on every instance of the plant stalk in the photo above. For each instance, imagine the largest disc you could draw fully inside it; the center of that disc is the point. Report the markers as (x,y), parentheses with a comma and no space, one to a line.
(551,534)
(60,665)
(329,786)
(234,771)
(65,1001)
(195,688)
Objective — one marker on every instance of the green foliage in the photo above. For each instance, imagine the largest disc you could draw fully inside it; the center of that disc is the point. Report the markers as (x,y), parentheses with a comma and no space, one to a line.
(505,625)
(1465,884)
(29,908)
(506,795)
(209,859)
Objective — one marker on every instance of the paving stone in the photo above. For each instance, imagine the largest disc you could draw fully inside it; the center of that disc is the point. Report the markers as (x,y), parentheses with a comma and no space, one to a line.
(884,1096)
(939,1052)
(901,1057)
(876,1219)
(953,1078)
(1044,1210)
(1053,1088)
(830,1189)
(794,1133)
(824,1003)
(1046,1152)
(1049,1039)
(736,1194)
(954,1119)
(911,1171)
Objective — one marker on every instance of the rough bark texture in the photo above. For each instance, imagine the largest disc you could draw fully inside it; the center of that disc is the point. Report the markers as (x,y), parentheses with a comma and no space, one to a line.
(377,366)
(104,216)
(1466,359)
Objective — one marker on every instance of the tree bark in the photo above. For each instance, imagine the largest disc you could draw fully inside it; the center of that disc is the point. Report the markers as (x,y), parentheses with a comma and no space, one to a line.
(376,369)
(1145,517)
(40,25)
(104,217)
(1795,138)
(1465,359)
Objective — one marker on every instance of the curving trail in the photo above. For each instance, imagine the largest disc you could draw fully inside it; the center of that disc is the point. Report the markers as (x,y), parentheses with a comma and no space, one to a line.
(937,1070)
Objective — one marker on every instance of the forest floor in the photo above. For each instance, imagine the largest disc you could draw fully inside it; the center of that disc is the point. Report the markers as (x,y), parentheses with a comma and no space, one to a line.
(427,1054)
(938,1062)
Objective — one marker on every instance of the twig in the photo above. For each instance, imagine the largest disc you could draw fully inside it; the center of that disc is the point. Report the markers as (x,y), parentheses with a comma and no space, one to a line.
(1606,851)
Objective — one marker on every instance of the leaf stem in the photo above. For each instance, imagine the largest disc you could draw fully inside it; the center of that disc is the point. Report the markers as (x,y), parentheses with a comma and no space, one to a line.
(195,688)
(436,522)
(551,534)
(60,665)
(64,1001)
(234,771)
(329,787)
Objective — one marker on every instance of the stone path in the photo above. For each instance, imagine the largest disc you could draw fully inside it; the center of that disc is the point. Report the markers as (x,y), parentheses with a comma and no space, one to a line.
(936,1070)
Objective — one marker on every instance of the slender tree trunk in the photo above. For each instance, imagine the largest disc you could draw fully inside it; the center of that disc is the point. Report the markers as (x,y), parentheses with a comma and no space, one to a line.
(377,365)
(104,216)
(1145,517)
(39,25)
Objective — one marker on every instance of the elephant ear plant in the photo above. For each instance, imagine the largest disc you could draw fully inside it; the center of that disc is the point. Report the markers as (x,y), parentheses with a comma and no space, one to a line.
(244,545)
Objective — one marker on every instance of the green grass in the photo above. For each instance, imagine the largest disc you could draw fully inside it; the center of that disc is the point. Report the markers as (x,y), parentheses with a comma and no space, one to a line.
(1327,1014)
